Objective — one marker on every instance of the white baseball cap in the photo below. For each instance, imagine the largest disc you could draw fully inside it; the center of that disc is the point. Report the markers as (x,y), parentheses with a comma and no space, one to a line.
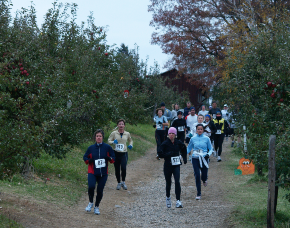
(225,105)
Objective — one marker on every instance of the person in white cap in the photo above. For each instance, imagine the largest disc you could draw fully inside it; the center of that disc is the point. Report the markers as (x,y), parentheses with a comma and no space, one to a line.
(170,150)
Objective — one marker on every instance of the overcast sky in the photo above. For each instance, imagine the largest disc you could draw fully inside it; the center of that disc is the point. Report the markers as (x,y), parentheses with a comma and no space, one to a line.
(127,21)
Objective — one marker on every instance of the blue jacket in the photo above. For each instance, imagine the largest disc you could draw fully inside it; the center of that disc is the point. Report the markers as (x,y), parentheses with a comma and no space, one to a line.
(99,151)
(200,142)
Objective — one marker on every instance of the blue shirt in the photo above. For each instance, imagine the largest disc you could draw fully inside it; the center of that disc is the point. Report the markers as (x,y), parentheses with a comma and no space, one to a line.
(161,119)
(200,142)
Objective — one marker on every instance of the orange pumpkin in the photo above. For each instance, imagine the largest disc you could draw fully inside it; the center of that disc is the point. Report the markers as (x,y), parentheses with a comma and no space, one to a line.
(246,166)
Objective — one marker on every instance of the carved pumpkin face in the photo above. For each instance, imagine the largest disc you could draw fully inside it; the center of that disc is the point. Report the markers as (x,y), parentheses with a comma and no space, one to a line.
(246,166)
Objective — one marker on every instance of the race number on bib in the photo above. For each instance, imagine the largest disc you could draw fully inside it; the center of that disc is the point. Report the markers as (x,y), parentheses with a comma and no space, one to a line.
(218,132)
(214,116)
(120,147)
(181,128)
(158,125)
(100,163)
(175,160)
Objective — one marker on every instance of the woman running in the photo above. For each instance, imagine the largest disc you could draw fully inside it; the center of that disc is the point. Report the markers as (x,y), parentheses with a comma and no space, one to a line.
(211,129)
(202,149)
(120,138)
(180,125)
(170,150)
(97,157)
(160,123)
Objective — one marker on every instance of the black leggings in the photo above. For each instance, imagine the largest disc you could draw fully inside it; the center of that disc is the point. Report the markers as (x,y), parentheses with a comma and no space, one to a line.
(160,137)
(92,179)
(168,171)
(120,162)
(218,143)
(181,136)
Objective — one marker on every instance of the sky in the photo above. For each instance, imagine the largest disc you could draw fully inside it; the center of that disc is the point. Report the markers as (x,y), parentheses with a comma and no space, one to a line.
(127,22)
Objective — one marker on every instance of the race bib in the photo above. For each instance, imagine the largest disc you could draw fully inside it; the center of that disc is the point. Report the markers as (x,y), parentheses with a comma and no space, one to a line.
(175,160)
(181,128)
(120,147)
(158,125)
(100,163)
(218,132)
(214,116)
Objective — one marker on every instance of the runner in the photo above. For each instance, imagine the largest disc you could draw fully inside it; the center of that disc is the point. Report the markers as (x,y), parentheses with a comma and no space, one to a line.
(226,116)
(97,157)
(167,114)
(160,123)
(211,126)
(190,120)
(213,110)
(170,150)
(203,111)
(180,125)
(202,149)
(221,125)
(174,112)
(187,109)
(200,119)
(120,138)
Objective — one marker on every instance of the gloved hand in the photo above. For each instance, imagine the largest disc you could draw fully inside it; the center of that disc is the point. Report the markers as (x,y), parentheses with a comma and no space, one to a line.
(159,122)
(185,161)
(154,125)
(91,161)
(107,158)
(130,147)
(188,128)
(116,141)
(206,156)
(190,135)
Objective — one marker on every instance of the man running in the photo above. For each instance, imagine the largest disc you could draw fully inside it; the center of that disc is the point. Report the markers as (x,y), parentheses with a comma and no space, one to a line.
(167,114)
(180,125)
(214,109)
(190,120)
(203,111)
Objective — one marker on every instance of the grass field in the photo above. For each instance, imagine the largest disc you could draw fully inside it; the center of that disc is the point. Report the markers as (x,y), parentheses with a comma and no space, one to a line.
(249,193)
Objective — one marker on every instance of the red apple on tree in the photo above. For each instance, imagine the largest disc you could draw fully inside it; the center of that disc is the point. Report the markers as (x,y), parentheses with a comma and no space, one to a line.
(281,100)
(106,53)
(273,95)
(21,68)
(269,84)
(25,72)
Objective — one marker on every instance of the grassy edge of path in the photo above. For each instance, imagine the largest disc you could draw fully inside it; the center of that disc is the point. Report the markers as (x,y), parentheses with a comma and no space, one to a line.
(62,182)
(249,194)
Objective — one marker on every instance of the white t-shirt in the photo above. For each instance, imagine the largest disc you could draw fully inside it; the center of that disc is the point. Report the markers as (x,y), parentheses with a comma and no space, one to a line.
(190,120)
(203,113)
(226,115)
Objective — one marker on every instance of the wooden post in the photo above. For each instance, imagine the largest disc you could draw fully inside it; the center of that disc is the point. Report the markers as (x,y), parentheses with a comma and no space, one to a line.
(271,182)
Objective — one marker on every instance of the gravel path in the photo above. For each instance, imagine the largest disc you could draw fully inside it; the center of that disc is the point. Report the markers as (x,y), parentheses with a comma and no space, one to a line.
(142,205)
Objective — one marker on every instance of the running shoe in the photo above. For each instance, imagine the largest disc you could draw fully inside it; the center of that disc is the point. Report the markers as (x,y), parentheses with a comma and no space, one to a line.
(179,204)
(219,159)
(89,207)
(213,153)
(96,211)
(124,186)
(168,202)
(198,197)
(119,185)
(205,183)
(157,157)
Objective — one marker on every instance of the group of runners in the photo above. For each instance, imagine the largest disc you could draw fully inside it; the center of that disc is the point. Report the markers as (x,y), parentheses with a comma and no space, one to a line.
(203,134)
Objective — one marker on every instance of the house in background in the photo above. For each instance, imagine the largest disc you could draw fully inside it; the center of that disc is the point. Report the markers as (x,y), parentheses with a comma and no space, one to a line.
(196,96)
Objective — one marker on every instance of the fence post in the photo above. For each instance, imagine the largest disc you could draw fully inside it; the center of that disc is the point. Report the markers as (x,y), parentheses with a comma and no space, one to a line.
(245,139)
(271,182)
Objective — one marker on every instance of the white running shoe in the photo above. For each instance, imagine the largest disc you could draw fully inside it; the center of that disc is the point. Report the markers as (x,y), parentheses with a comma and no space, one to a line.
(124,186)
(219,159)
(198,197)
(89,207)
(96,211)
(213,153)
(168,202)
(119,185)
(179,204)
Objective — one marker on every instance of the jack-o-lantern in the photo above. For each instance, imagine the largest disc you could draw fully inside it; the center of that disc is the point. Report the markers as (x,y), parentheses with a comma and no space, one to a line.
(246,166)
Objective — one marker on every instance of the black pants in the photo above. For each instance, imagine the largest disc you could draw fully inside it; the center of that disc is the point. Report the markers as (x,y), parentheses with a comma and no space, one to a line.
(120,163)
(174,170)
(218,143)
(92,179)
(181,136)
(160,137)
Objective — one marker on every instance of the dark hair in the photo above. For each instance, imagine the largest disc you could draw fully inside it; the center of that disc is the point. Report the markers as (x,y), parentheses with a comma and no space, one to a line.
(200,125)
(158,110)
(98,131)
(213,102)
(121,120)
(201,115)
